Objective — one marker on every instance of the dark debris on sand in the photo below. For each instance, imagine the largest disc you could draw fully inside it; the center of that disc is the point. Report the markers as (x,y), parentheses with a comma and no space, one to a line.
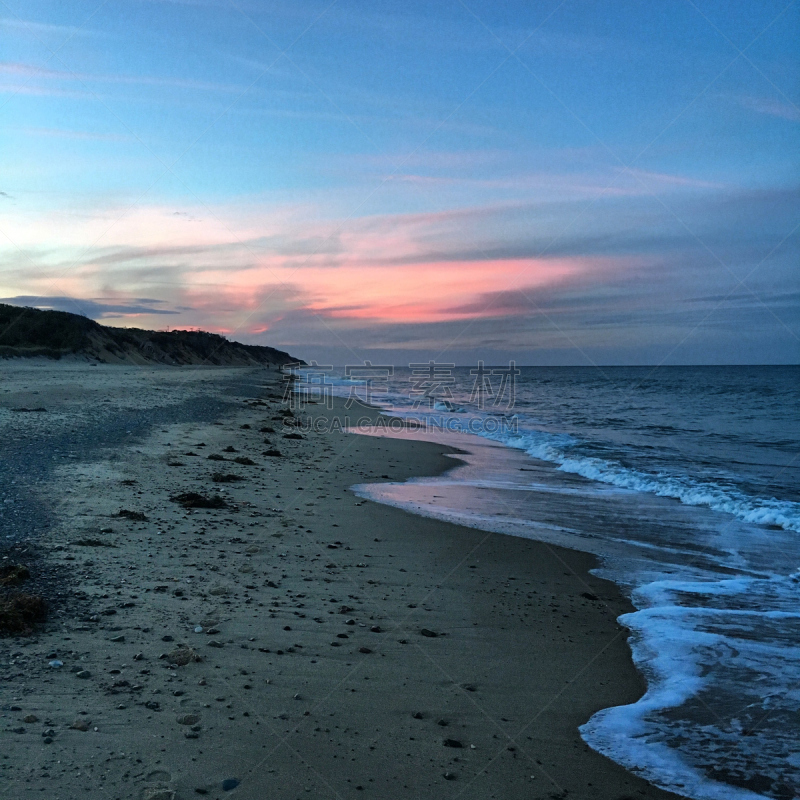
(225,477)
(19,612)
(27,590)
(196,500)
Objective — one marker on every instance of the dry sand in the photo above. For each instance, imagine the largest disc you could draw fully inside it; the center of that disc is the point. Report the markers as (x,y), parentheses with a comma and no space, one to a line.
(311,676)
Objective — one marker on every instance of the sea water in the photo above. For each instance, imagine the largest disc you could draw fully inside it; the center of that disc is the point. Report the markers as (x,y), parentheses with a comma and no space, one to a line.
(684,481)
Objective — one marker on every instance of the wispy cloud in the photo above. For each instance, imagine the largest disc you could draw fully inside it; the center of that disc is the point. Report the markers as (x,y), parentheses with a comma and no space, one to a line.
(33,71)
(45,29)
(772,107)
(60,133)
(93,308)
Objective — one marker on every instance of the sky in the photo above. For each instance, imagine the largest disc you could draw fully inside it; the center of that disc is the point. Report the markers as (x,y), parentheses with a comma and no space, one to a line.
(551,182)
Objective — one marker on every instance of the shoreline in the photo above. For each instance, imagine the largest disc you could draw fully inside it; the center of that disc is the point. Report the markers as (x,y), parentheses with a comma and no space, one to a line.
(520,658)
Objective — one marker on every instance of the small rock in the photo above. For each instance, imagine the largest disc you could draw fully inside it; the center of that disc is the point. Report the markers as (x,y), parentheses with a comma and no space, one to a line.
(118,639)
(188,719)
(158,793)
(452,743)
(215,643)
(449,776)
(229,784)
(182,656)
(430,634)
(83,674)
(364,650)
(81,725)
(30,718)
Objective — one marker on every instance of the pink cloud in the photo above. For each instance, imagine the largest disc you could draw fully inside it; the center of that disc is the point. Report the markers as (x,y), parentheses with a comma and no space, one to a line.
(229,270)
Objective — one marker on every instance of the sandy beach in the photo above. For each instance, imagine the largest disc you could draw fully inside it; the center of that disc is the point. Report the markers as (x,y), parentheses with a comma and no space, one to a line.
(293,642)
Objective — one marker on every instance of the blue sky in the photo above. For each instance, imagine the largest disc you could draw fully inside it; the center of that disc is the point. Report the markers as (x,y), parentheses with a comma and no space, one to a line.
(557,182)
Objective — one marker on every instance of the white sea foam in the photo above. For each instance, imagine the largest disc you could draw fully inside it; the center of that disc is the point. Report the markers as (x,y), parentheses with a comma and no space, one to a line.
(674,646)
(555,448)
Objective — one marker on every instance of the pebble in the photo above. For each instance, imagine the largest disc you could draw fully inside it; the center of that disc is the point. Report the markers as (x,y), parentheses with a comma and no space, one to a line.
(188,719)
(31,718)
(81,725)
(229,784)
(83,674)
(55,663)
(215,643)
(158,793)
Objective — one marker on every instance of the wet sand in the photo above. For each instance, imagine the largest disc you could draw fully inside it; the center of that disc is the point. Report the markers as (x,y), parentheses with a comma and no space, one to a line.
(347,649)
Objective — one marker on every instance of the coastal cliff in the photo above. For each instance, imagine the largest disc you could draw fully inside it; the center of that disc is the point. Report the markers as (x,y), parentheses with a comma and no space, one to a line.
(26,332)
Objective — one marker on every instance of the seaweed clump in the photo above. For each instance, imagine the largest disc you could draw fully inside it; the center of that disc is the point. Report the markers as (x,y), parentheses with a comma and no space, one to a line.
(226,477)
(195,500)
(19,611)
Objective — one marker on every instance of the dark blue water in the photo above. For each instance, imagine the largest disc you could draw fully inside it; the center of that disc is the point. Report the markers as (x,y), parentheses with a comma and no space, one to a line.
(684,481)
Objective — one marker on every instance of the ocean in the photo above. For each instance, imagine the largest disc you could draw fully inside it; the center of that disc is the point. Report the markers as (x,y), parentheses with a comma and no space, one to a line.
(684,482)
